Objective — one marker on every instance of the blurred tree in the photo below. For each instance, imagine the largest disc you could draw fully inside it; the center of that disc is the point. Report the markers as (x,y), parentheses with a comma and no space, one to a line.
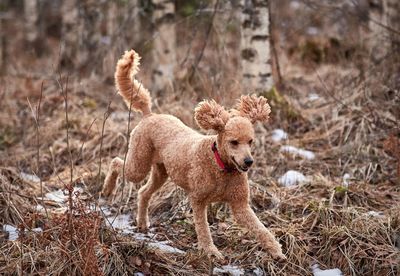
(2,46)
(34,32)
(123,32)
(384,24)
(255,46)
(31,11)
(164,45)
(70,32)
(392,13)
(111,56)
(83,26)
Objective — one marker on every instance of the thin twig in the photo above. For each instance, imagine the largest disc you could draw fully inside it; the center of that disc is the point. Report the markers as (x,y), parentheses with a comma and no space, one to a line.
(85,138)
(128,134)
(200,56)
(105,117)
(37,120)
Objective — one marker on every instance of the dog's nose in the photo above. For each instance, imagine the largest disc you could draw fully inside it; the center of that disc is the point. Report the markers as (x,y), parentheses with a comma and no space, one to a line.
(248,161)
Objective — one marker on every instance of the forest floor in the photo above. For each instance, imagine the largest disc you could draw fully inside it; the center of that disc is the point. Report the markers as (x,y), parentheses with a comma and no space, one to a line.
(325,181)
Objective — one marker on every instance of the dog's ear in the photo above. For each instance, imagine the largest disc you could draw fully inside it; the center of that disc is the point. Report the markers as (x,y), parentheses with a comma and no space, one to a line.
(210,115)
(253,107)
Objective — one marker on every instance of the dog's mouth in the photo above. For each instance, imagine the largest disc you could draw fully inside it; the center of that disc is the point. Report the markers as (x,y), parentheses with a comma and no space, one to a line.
(238,167)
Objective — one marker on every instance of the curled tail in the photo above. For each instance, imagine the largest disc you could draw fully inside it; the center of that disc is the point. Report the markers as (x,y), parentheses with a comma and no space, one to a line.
(133,92)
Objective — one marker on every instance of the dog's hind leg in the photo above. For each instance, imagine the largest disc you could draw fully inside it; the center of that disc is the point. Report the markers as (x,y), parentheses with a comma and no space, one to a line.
(111,179)
(157,178)
(137,165)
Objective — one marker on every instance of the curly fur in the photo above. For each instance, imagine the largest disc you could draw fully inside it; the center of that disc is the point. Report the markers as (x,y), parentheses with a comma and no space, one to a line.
(210,115)
(253,107)
(164,147)
(133,92)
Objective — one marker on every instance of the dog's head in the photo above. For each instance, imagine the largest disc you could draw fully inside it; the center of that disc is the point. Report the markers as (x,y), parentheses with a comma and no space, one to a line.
(235,128)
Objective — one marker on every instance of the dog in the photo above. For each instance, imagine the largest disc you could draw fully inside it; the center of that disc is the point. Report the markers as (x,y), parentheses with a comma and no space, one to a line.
(210,168)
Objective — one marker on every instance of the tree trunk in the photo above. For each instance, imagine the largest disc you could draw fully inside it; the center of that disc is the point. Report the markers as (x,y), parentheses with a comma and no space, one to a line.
(2,46)
(384,25)
(392,14)
(164,46)
(255,49)
(120,18)
(111,56)
(70,32)
(31,19)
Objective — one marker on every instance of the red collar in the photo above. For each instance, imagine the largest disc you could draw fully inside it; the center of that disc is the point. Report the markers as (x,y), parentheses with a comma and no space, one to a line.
(220,163)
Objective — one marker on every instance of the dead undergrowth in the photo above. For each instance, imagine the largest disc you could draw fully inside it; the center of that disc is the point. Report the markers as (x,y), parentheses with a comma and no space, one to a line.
(344,109)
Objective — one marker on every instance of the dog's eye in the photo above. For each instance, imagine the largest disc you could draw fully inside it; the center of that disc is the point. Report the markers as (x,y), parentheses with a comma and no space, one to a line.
(234,143)
(250,142)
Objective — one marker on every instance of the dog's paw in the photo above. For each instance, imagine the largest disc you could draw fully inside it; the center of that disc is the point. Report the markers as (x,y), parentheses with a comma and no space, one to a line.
(212,251)
(105,193)
(143,225)
(278,256)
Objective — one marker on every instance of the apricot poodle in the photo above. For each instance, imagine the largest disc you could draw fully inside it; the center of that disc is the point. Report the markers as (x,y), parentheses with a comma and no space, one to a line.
(210,168)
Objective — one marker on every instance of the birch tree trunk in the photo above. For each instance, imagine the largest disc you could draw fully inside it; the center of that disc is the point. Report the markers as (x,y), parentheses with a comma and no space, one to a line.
(70,32)
(384,25)
(31,12)
(111,56)
(377,39)
(120,16)
(255,49)
(164,46)
(2,46)
(392,13)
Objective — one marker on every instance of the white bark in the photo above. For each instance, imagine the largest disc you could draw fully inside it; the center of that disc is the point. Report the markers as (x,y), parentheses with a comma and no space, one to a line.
(111,56)
(255,45)
(126,15)
(391,9)
(164,46)
(378,40)
(31,11)
(2,46)
(70,32)
(384,25)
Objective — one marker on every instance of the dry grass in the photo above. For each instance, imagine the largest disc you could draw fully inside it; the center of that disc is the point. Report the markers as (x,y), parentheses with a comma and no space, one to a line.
(353,127)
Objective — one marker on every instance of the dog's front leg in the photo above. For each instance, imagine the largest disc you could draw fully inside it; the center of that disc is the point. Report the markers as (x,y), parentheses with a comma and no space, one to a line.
(204,238)
(245,216)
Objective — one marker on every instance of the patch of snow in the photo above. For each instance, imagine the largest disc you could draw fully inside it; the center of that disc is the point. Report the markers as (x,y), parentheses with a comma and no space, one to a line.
(39,208)
(29,177)
(279,135)
(258,271)
(155,244)
(121,116)
(106,40)
(230,269)
(376,214)
(59,195)
(300,152)
(328,272)
(295,5)
(102,208)
(138,274)
(313,97)
(141,236)
(12,232)
(164,247)
(291,178)
(346,178)
(37,230)
(312,31)
(122,222)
